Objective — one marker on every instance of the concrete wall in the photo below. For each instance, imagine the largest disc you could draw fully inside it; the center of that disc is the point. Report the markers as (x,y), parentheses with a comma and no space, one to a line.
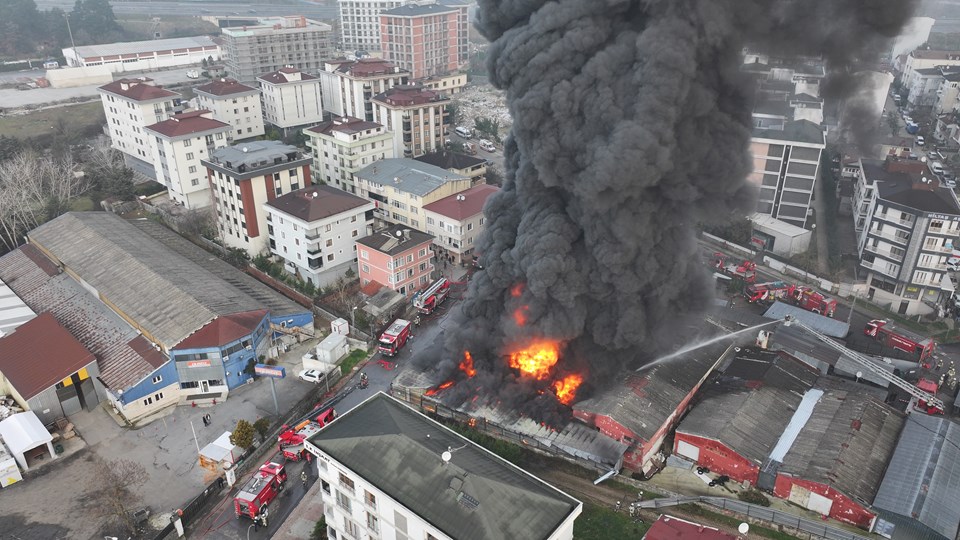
(79,76)
(720,458)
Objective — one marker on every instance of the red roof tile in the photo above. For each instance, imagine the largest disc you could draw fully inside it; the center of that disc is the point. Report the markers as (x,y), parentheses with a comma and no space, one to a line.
(371,288)
(138,89)
(280,76)
(407,95)
(344,124)
(188,123)
(671,528)
(224,330)
(471,205)
(39,354)
(317,202)
(224,87)
(367,67)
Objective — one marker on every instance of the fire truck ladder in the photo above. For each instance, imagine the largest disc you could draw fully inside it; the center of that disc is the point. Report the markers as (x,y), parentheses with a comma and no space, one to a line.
(422,297)
(865,362)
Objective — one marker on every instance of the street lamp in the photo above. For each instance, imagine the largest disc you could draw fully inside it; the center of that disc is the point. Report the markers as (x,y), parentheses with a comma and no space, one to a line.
(69,31)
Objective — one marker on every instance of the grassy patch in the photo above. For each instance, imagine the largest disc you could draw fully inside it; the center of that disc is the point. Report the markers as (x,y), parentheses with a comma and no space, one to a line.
(69,119)
(352,359)
(148,188)
(599,523)
(722,519)
(82,204)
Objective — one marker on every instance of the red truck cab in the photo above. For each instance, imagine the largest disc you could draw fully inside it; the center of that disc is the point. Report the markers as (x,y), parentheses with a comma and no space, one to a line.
(291,441)
(394,338)
(257,493)
(893,336)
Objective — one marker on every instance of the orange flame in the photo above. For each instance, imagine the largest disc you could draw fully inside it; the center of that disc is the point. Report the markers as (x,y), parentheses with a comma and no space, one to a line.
(437,390)
(537,359)
(466,365)
(516,290)
(520,315)
(566,388)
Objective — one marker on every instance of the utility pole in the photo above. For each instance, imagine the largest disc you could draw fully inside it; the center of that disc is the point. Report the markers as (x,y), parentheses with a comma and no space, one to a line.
(69,31)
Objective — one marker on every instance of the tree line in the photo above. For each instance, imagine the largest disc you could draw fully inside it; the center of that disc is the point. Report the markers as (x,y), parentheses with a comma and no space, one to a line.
(26,31)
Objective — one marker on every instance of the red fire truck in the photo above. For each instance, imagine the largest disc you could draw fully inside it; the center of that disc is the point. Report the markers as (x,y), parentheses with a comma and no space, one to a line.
(930,387)
(433,296)
(394,338)
(894,336)
(746,270)
(291,440)
(766,293)
(811,300)
(263,487)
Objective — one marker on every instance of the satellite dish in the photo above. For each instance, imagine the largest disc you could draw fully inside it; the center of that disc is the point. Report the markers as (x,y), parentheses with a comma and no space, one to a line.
(744,528)
(399,234)
(859,374)
(446,456)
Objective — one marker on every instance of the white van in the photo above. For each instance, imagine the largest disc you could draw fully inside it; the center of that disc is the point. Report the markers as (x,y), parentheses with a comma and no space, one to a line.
(463,132)
(487,145)
(936,167)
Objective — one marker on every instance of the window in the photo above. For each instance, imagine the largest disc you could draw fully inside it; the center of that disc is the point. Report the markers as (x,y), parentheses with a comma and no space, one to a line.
(343,501)
(364,254)
(325,486)
(329,242)
(350,528)
(190,156)
(354,234)
(346,482)
(370,499)
(372,522)
(469,226)
(330,257)
(147,401)
(410,258)
(423,253)
(192,169)
(157,379)
(187,143)
(365,268)
(194,182)
(159,396)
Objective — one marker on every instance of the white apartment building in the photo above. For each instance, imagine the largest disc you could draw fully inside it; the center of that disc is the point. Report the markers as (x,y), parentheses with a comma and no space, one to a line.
(314,231)
(343,146)
(388,471)
(360,24)
(401,187)
(291,98)
(177,146)
(275,42)
(868,171)
(925,59)
(417,117)
(948,94)
(130,105)
(245,176)
(349,85)
(456,221)
(234,103)
(911,228)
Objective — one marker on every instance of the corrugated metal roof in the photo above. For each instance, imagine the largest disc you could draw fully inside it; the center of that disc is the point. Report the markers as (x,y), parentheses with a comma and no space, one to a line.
(824,325)
(13,310)
(135,47)
(408,175)
(923,478)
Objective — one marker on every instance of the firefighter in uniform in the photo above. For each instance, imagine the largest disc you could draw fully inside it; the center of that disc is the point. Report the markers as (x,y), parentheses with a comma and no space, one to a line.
(303,478)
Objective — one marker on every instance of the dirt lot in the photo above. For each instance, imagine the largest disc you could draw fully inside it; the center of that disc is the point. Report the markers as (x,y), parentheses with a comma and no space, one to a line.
(68,119)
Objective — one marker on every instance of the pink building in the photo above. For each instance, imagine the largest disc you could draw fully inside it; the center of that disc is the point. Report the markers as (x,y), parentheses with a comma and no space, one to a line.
(422,39)
(397,257)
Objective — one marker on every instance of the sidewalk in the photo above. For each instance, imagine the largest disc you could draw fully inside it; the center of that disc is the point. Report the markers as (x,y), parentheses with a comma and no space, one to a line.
(304,517)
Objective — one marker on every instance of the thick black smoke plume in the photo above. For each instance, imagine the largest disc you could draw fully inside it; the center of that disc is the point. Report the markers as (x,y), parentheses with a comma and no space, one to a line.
(631,125)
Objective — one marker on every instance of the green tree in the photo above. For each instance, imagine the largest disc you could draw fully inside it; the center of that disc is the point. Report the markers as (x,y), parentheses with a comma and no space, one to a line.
(19,27)
(319,530)
(262,425)
(117,493)
(242,435)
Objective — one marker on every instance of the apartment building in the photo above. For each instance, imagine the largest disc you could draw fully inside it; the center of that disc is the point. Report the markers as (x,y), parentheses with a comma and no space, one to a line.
(388,471)
(924,59)
(786,167)
(343,146)
(349,85)
(417,117)
(452,83)
(315,232)
(421,38)
(865,186)
(470,166)
(291,98)
(401,187)
(456,222)
(360,24)
(948,93)
(130,105)
(234,103)
(910,231)
(177,146)
(396,257)
(276,42)
(245,176)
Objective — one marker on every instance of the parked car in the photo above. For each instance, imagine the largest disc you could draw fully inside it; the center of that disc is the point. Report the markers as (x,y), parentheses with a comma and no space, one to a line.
(920,141)
(487,145)
(311,375)
(953,264)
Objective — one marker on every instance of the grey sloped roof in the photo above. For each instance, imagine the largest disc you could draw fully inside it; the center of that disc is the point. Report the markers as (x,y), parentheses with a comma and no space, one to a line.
(750,405)
(847,442)
(923,477)
(476,495)
(408,175)
(169,295)
(824,325)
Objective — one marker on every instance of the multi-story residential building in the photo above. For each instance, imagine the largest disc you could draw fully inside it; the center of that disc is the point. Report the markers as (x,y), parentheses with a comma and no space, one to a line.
(234,103)
(130,105)
(456,221)
(453,83)
(291,98)
(360,24)
(911,229)
(397,257)
(924,88)
(421,38)
(924,59)
(388,471)
(865,187)
(470,166)
(343,146)
(315,231)
(401,187)
(245,176)
(276,42)
(177,146)
(349,85)
(786,167)
(417,117)
(948,94)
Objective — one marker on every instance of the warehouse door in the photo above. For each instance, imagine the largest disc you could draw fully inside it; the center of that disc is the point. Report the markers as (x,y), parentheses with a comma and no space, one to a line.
(819,503)
(688,450)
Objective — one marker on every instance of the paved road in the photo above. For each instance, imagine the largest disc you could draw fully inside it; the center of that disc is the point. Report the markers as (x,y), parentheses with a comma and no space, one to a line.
(311,10)
(495,157)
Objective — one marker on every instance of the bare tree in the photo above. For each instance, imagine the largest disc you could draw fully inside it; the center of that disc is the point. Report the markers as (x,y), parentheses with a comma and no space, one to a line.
(117,494)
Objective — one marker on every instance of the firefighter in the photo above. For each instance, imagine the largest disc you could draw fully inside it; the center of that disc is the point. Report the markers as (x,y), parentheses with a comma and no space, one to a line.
(416,321)
(303,478)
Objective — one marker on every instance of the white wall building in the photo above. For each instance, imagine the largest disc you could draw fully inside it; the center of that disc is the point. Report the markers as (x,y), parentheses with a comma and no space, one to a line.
(349,85)
(234,103)
(314,230)
(130,105)
(144,55)
(401,187)
(417,117)
(291,98)
(456,221)
(343,146)
(245,176)
(387,471)
(177,146)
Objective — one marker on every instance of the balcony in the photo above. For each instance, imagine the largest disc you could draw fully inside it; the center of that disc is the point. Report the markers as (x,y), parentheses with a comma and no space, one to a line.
(884,253)
(313,250)
(312,235)
(881,267)
(315,263)
(904,222)
(933,266)
(889,236)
